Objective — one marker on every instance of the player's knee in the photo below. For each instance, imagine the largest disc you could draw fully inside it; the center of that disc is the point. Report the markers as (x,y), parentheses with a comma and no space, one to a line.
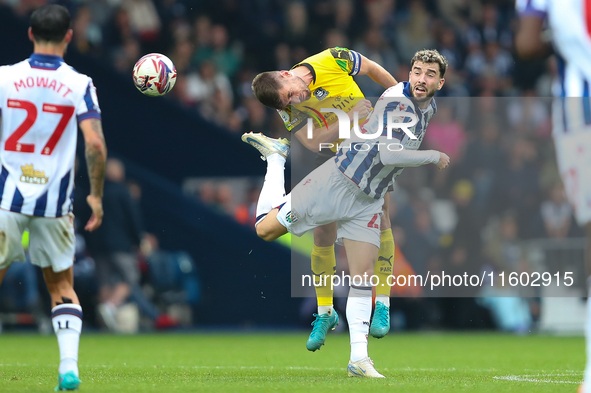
(265,232)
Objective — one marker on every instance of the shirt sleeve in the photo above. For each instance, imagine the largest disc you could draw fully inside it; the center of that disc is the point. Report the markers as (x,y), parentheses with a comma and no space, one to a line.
(538,8)
(404,158)
(88,108)
(293,119)
(348,60)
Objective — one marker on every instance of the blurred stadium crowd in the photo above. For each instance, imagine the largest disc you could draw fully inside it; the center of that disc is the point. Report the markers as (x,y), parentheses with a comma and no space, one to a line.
(502,186)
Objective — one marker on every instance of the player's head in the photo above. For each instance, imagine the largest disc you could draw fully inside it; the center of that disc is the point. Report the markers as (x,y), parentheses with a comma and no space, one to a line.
(279,89)
(50,24)
(427,69)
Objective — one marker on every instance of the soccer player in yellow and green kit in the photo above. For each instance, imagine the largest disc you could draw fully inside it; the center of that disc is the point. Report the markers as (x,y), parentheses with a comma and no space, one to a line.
(325,80)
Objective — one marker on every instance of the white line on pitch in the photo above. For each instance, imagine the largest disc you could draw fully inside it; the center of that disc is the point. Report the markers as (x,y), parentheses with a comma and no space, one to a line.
(526,378)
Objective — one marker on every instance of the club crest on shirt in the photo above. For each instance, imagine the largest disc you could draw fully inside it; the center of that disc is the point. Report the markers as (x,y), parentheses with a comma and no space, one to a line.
(291,217)
(284,115)
(32,176)
(320,93)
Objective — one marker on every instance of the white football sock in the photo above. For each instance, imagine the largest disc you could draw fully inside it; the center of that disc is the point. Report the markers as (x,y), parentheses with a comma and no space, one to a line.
(359,305)
(67,325)
(325,310)
(384,299)
(273,187)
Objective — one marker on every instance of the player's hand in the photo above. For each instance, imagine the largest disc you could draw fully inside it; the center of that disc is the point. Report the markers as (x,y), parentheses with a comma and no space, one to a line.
(443,161)
(96,204)
(363,108)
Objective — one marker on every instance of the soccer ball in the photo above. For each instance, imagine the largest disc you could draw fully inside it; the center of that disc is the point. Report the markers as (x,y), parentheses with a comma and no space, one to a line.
(154,75)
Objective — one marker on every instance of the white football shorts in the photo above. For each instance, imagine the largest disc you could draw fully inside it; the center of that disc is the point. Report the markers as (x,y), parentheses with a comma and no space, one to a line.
(51,240)
(326,196)
(573,156)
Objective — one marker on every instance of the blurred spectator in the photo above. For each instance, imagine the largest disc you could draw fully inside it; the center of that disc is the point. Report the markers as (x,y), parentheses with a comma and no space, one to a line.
(143,21)
(413,32)
(528,115)
(556,213)
(517,186)
(446,134)
(255,116)
(481,162)
(421,240)
(127,55)
(113,245)
(375,48)
(224,59)
(203,86)
(174,280)
(87,35)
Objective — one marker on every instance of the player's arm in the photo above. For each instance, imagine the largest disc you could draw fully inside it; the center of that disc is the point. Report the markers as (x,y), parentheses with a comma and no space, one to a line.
(96,157)
(410,158)
(529,41)
(376,72)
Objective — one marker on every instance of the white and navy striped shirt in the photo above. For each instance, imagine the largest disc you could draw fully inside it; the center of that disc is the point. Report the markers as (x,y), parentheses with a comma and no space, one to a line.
(570,25)
(42,99)
(362,164)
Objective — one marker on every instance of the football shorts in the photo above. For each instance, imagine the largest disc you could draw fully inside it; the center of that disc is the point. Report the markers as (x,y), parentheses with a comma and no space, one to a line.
(326,196)
(51,240)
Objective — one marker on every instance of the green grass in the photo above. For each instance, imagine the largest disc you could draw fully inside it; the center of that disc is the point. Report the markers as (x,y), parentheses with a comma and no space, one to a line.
(280,363)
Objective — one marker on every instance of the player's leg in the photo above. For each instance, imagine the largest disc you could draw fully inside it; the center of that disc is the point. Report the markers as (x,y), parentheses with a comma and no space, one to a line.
(586,387)
(52,245)
(112,290)
(361,257)
(573,156)
(275,152)
(12,226)
(380,323)
(270,228)
(66,317)
(323,265)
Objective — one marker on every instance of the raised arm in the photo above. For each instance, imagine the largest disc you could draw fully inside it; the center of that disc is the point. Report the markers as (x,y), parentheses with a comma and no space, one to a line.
(409,158)
(376,72)
(96,157)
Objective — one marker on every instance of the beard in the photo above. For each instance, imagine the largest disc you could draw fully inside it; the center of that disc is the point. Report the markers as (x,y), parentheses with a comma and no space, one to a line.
(430,93)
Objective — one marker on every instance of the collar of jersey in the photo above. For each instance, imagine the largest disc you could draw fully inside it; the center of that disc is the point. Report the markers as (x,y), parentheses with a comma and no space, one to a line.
(43,58)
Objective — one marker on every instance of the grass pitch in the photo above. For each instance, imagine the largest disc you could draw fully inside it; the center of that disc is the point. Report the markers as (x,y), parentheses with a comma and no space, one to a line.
(280,363)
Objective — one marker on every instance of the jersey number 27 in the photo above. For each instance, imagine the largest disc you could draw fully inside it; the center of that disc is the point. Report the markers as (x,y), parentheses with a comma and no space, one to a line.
(12,142)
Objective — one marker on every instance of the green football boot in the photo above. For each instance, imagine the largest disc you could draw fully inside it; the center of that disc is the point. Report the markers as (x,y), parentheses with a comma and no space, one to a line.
(321,325)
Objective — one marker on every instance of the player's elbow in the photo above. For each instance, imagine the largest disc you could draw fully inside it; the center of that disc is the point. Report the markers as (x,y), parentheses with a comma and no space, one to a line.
(97,145)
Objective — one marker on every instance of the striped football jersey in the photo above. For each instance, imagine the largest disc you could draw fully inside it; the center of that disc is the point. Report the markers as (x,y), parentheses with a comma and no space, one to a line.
(42,99)
(363,165)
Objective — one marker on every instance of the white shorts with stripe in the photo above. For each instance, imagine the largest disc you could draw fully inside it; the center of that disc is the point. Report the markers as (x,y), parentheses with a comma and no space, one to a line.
(573,156)
(51,240)
(326,196)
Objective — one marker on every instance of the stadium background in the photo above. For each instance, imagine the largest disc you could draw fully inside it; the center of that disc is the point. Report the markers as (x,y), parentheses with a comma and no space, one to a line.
(198,180)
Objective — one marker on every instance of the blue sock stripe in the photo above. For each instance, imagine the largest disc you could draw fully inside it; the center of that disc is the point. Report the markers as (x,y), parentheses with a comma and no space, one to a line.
(362,288)
(66,310)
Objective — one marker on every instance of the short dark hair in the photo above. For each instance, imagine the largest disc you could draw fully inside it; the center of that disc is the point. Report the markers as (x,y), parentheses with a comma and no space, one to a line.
(50,23)
(266,87)
(431,56)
